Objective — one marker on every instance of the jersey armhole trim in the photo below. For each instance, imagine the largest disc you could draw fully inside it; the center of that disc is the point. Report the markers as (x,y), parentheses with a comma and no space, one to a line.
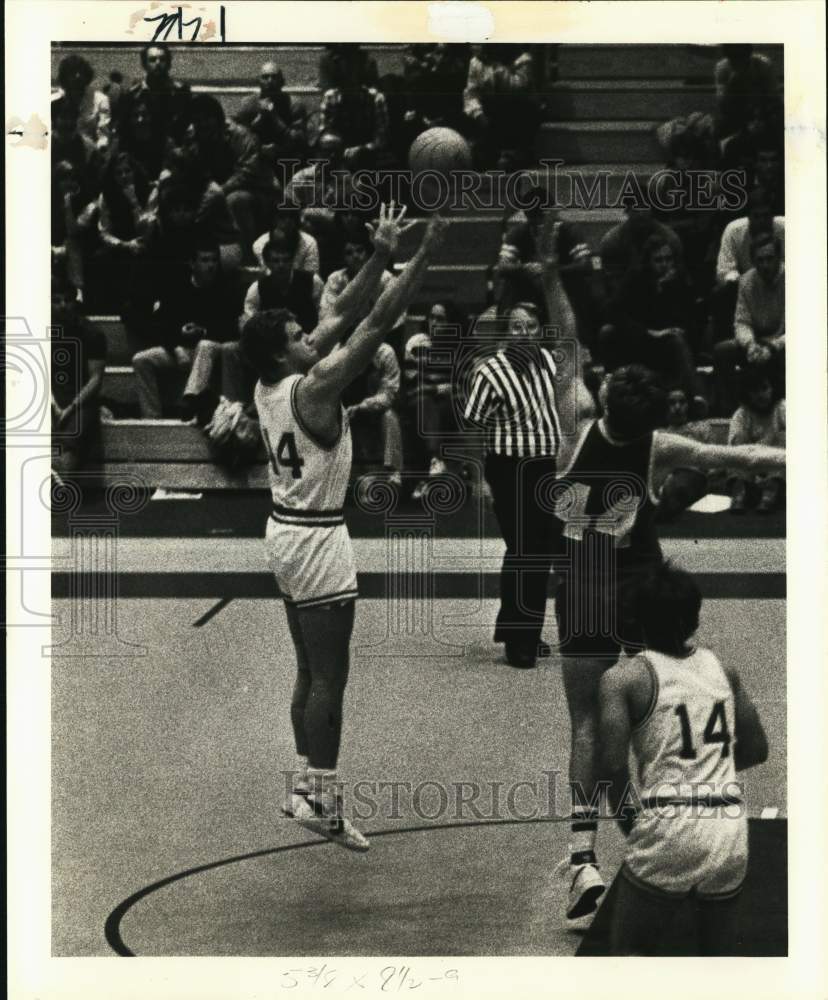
(326,446)
(653,697)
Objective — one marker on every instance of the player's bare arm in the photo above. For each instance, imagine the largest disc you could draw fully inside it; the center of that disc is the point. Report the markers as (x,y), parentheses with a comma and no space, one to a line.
(671,452)
(385,237)
(751,741)
(574,402)
(319,392)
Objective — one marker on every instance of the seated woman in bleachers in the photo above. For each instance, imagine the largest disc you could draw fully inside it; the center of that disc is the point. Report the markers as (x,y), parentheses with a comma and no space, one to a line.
(72,223)
(429,405)
(759,420)
(654,319)
(94,118)
(121,207)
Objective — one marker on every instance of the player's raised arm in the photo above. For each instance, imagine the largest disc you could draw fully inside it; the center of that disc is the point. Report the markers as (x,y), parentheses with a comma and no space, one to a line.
(574,401)
(751,741)
(329,377)
(346,308)
(671,452)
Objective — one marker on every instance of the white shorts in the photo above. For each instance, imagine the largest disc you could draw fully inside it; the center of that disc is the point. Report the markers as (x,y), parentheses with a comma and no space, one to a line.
(681,849)
(312,564)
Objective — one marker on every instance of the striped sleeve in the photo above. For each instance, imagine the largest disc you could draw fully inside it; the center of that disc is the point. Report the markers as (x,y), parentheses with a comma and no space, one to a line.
(482,399)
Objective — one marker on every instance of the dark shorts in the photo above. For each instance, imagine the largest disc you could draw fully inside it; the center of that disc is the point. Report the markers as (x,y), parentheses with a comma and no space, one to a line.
(595,614)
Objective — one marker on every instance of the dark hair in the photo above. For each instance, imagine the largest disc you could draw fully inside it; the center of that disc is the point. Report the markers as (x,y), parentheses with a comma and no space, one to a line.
(188,164)
(636,402)
(205,107)
(666,606)
(279,243)
(156,45)
(61,108)
(763,239)
(455,320)
(751,377)
(262,336)
(205,245)
(653,243)
(74,65)
(177,196)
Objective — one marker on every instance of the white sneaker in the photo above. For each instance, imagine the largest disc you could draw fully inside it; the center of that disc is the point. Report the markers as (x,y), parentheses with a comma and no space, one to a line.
(311,814)
(585,889)
(419,490)
(437,467)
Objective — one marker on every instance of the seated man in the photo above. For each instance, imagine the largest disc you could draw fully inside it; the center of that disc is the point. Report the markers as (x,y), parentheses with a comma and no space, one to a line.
(622,248)
(272,116)
(370,401)
(231,156)
(288,222)
(202,306)
(78,363)
(734,257)
(358,114)
(282,286)
(759,324)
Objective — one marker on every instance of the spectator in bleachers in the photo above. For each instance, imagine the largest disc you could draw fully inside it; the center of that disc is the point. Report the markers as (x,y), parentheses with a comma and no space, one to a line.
(231,156)
(214,220)
(272,116)
(152,111)
(622,248)
(759,322)
(654,319)
(500,102)
(519,267)
(92,106)
(284,286)
(78,353)
(120,210)
(684,486)
(370,403)
(70,145)
(428,404)
(288,221)
(769,170)
(430,93)
(201,305)
(72,223)
(338,62)
(743,78)
(357,113)
(357,250)
(734,257)
(759,420)
(676,200)
(170,237)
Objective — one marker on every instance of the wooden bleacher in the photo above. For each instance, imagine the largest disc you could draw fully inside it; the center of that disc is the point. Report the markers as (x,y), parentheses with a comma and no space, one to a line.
(601,114)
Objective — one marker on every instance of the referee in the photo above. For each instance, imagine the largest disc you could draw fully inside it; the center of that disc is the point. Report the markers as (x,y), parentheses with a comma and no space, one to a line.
(513,398)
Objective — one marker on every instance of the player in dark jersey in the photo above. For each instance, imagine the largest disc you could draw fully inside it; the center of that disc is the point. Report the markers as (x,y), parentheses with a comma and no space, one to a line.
(611,472)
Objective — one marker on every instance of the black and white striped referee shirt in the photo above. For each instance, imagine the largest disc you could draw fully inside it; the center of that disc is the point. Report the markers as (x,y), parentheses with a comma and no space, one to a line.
(513,398)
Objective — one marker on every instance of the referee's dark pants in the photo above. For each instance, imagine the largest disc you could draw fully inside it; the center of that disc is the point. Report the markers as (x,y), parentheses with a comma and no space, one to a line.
(529,532)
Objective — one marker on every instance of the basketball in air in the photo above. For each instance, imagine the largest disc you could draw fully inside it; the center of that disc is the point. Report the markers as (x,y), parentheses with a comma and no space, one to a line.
(439,149)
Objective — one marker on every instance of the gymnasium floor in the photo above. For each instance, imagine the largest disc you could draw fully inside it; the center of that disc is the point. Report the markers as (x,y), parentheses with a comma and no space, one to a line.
(167,839)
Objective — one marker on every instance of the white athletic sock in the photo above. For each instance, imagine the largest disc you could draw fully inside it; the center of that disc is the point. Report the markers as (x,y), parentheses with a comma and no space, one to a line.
(323,785)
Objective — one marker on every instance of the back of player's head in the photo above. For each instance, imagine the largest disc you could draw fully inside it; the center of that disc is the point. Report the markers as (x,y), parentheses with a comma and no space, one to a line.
(635,402)
(263,338)
(667,605)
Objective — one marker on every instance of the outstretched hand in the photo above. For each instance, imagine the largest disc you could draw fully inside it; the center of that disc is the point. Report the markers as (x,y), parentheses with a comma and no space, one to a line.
(385,235)
(548,240)
(435,233)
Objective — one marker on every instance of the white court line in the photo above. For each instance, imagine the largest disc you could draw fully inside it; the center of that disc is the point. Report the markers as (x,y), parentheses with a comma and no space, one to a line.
(451,555)
(769,812)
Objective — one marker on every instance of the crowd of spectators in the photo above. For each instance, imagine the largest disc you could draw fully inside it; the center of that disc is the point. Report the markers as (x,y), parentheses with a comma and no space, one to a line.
(186,221)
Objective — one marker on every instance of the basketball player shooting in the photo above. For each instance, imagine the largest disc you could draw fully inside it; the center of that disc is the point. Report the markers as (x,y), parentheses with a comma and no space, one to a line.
(305,429)
(610,473)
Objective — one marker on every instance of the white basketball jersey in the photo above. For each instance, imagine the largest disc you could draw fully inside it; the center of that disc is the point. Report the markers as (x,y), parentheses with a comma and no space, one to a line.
(305,475)
(685,744)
